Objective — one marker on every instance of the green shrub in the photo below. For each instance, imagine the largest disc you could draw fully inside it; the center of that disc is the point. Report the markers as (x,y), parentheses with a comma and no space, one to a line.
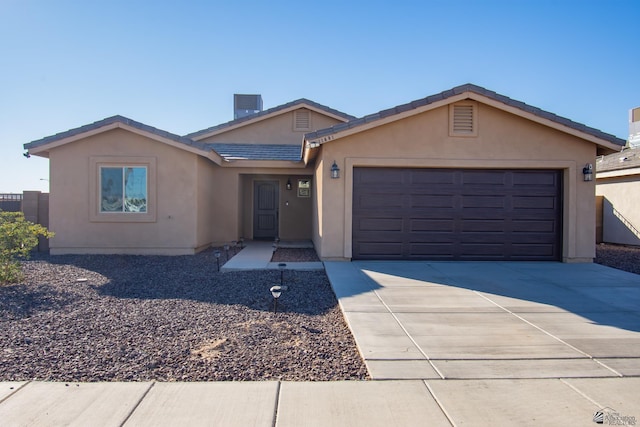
(17,238)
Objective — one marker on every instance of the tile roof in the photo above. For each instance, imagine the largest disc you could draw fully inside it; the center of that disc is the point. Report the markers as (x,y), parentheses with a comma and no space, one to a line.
(300,101)
(109,121)
(628,158)
(227,151)
(457,91)
(258,151)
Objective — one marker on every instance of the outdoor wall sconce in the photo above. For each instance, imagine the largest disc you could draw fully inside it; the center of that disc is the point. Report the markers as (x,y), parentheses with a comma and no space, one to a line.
(587,171)
(335,171)
(288,183)
(275,292)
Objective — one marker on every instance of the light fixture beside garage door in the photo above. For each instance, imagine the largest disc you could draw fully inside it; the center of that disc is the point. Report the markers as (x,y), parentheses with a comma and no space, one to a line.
(335,171)
(587,172)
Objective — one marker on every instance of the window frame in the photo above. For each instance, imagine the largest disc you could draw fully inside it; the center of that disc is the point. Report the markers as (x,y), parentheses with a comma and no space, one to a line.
(95,196)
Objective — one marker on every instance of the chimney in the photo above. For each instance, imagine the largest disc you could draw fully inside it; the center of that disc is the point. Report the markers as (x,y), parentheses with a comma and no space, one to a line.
(246,105)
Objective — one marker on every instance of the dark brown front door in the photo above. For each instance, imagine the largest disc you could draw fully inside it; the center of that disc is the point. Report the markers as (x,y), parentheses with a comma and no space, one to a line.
(457,214)
(265,209)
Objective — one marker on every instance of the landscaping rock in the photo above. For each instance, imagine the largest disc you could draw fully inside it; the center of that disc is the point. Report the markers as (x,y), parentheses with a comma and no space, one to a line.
(144,318)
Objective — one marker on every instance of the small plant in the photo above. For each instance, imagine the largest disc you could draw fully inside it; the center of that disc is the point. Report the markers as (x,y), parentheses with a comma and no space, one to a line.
(17,238)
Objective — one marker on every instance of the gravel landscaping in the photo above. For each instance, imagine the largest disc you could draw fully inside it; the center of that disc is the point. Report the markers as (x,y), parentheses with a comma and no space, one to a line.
(625,258)
(141,318)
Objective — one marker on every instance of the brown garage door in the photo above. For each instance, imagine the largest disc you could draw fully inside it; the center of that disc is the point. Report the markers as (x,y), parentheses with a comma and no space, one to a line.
(452,214)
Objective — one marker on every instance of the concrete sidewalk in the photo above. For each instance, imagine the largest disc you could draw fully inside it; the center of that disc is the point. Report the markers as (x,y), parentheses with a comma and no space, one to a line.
(519,402)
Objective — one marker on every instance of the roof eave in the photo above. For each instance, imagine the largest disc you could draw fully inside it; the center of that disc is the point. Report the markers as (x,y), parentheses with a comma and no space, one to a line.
(614,173)
(267,164)
(607,145)
(43,149)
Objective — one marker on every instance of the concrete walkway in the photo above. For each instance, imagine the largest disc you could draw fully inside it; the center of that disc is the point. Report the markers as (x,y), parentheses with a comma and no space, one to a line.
(479,344)
(257,256)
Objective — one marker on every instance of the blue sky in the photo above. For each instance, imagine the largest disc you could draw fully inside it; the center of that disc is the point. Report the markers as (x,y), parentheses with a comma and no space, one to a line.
(176,65)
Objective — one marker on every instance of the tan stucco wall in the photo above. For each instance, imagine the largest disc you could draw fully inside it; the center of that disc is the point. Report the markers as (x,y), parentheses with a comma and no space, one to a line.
(206,197)
(503,141)
(273,130)
(620,213)
(174,228)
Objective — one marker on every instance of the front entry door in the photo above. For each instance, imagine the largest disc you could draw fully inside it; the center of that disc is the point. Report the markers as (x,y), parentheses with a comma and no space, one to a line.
(265,209)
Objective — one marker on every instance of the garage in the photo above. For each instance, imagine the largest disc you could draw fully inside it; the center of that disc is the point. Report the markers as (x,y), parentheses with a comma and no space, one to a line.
(457,214)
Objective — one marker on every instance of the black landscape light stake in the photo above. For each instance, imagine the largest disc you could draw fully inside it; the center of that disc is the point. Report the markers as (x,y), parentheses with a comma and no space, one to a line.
(275,247)
(226,250)
(235,246)
(242,243)
(282,266)
(275,292)
(217,255)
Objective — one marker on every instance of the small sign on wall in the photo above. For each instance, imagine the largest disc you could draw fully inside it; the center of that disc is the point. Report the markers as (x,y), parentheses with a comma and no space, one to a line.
(304,188)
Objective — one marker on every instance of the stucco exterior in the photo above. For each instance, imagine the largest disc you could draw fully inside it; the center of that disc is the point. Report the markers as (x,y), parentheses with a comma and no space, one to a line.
(272,130)
(201,188)
(503,141)
(195,198)
(174,230)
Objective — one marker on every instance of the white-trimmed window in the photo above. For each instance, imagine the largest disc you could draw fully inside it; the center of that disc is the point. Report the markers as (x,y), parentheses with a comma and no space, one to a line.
(122,189)
(463,119)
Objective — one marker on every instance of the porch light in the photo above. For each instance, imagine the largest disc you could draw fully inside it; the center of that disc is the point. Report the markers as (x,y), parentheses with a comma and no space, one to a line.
(288,183)
(587,171)
(335,171)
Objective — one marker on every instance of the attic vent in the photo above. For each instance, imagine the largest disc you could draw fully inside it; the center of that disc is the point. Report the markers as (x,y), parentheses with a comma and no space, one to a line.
(463,120)
(245,105)
(301,120)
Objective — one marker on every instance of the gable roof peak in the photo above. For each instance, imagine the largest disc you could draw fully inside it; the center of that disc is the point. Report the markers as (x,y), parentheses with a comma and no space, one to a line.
(267,113)
(453,95)
(106,124)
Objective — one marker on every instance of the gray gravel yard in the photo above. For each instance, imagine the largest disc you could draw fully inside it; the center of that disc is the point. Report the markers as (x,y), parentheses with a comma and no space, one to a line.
(141,318)
(625,258)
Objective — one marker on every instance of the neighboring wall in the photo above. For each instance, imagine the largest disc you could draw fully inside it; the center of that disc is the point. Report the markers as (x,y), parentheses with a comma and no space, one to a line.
(504,141)
(35,207)
(620,213)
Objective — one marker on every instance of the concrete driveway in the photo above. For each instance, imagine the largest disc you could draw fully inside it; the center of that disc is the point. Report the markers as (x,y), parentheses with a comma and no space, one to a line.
(499,339)
(464,320)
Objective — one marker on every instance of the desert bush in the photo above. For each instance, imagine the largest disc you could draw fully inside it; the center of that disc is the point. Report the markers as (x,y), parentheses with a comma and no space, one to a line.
(17,238)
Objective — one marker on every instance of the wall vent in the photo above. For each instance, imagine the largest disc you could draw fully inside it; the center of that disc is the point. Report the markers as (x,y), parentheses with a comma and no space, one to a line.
(302,120)
(463,119)
(246,105)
